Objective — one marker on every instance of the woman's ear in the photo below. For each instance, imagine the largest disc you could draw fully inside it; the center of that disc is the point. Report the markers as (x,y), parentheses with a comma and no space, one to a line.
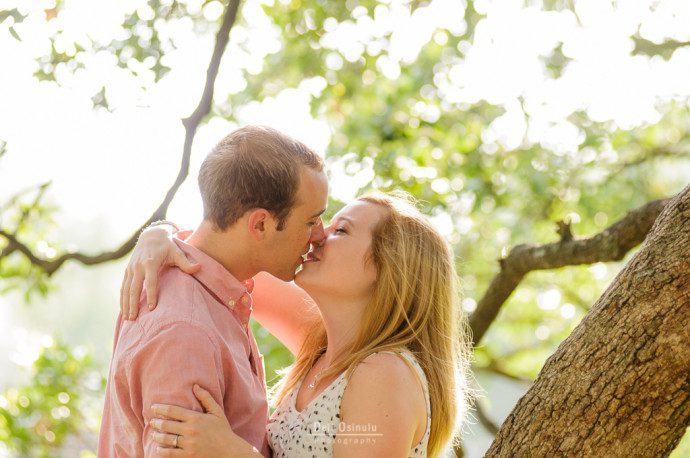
(259,222)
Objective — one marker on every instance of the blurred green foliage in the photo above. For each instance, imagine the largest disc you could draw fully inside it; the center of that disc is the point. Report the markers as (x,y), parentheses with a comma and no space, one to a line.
(25,215)
(400,132)
(57,412)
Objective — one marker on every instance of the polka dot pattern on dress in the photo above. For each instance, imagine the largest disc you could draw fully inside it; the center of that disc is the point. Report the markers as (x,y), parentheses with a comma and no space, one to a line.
(312,432)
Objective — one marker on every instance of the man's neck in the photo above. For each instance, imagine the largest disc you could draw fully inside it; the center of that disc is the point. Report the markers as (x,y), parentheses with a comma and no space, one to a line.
(228,249)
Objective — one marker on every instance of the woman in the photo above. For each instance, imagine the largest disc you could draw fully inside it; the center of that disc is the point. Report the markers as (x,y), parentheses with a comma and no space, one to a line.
(380,365)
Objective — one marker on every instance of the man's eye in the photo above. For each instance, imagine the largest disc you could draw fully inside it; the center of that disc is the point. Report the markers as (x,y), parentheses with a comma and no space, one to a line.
(340,229)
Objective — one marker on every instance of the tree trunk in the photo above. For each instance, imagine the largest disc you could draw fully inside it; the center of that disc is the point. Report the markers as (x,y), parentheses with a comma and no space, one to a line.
(619,385)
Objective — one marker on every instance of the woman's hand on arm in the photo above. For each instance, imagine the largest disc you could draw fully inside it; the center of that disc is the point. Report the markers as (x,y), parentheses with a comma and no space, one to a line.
(198,434)
(154,249)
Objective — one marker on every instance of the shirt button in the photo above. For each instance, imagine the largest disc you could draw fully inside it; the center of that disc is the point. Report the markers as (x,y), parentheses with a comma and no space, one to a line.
(231,303)
(245,300)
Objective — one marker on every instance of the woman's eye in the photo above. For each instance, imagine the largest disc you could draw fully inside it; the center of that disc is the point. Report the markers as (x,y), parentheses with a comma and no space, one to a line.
(340,229)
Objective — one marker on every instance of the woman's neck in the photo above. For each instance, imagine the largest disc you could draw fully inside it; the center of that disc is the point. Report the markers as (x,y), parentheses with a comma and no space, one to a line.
(342,320)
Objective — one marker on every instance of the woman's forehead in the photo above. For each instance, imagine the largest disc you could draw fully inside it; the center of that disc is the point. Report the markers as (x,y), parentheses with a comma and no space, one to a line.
(360,211)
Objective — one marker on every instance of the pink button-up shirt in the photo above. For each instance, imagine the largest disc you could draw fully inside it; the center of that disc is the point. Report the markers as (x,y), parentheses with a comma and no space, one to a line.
(198,333)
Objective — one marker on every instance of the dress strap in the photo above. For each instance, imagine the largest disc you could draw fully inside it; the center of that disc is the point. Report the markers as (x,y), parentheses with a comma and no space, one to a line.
(411,361)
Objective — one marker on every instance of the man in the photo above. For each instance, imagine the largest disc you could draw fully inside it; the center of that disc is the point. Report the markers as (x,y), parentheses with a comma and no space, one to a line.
(263,195)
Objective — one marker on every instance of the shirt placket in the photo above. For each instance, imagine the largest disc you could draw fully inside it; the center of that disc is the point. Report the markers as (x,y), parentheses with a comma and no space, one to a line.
(242,308)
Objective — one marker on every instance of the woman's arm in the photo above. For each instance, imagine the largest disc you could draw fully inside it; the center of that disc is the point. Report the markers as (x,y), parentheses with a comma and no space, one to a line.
(284,309)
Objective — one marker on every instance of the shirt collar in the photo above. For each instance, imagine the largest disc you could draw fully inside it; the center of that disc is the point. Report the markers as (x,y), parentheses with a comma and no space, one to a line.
(233,293)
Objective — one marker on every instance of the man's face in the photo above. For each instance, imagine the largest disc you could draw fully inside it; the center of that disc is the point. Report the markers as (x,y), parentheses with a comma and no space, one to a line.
(303,226)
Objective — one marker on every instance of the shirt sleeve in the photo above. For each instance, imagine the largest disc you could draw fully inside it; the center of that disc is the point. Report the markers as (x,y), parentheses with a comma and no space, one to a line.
(166,366)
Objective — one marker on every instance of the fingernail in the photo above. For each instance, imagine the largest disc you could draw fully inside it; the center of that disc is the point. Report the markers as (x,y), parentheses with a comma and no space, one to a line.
(150,306)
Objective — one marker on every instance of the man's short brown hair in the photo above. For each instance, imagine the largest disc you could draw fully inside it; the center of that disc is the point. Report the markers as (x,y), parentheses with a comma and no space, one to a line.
(253,167)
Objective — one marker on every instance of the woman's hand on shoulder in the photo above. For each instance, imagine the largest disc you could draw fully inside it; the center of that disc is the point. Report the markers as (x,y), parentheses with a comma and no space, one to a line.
(384,401)
(154,249)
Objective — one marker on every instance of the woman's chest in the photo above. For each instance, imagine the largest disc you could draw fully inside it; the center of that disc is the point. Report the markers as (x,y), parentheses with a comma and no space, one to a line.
(311,432)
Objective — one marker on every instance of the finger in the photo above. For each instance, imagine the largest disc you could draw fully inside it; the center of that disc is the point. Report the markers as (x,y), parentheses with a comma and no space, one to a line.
(128,293)
(124,294)
(151,283)
(168,426)
(187,266)
(135,293)
(207,402)
(169,440)
(174,412)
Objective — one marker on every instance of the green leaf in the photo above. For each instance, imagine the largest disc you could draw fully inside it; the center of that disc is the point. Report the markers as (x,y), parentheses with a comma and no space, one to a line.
(14,34)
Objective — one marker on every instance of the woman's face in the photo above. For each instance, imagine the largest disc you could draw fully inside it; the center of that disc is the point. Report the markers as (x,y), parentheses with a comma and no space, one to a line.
(339,267)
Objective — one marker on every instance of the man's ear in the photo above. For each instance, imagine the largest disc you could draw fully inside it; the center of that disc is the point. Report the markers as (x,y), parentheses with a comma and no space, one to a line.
(259,222)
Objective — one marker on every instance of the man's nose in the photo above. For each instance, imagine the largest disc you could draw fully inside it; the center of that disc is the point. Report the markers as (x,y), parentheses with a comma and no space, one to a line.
(318,235)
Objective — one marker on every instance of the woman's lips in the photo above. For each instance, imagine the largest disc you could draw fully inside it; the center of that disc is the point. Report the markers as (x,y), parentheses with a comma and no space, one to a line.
(310,257)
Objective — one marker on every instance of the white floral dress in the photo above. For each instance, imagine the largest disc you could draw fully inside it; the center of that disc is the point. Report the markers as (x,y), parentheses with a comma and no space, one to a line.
(312,432)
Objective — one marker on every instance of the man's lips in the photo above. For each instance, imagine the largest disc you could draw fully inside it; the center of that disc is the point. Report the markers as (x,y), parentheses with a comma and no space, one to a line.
(310,257)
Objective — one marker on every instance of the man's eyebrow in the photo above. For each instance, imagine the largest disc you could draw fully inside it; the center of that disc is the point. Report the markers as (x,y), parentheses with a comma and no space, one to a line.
(318,214)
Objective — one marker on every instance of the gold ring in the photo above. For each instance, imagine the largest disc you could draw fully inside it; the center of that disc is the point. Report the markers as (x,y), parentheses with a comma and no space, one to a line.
(177,436)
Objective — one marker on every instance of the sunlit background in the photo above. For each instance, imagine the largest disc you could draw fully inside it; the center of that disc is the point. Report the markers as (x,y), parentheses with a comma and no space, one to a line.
(504,116)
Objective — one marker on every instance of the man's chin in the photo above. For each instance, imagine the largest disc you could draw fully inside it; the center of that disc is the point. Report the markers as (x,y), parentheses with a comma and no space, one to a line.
(285,276)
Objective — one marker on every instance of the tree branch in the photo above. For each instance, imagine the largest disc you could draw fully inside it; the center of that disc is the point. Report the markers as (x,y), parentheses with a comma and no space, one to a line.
(191,125)
(497,368)
(484,419)
(12,245)
(610,245)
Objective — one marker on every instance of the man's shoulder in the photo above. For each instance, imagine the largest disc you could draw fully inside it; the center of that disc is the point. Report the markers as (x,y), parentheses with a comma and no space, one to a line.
(159,330)
(180,307)
(175,279)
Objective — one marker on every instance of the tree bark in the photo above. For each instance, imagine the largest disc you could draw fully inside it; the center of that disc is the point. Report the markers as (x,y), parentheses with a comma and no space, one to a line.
(619,385)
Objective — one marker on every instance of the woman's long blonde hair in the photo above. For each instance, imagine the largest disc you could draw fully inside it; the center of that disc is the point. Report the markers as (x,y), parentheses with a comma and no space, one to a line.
(415,304)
